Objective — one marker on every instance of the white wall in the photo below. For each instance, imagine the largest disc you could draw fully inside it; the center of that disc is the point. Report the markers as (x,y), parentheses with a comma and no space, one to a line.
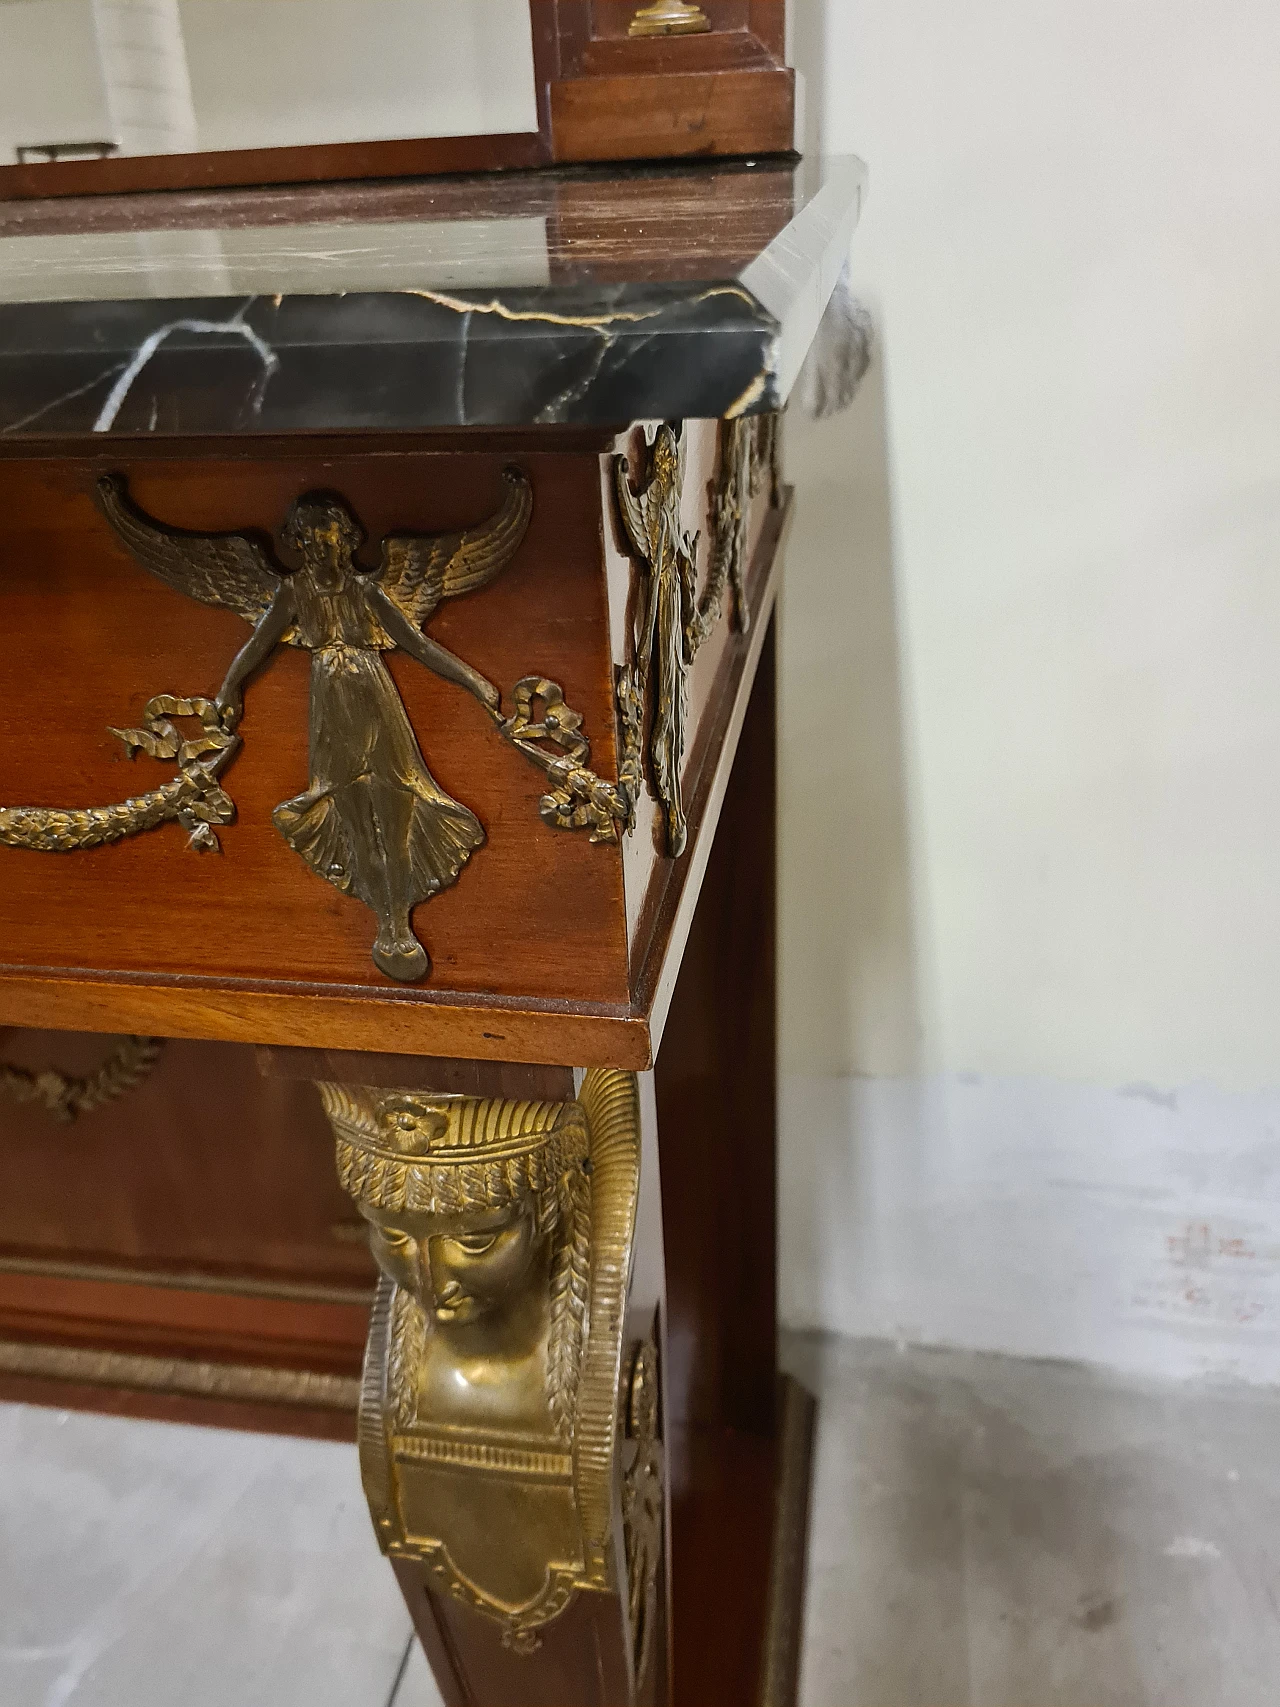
(1031,701)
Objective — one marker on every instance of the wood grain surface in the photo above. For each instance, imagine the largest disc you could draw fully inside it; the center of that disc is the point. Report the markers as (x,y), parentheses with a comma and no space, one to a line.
(532,962)
(306,164)
(717,1128)
(674,115)
(206,1166)
(89,637)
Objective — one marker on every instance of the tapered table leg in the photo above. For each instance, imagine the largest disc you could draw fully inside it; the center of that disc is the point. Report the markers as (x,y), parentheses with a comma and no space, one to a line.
(739,1439)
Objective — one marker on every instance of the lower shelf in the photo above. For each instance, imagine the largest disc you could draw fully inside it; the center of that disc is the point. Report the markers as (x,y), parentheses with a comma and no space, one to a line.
(172,1349)
(256,1397)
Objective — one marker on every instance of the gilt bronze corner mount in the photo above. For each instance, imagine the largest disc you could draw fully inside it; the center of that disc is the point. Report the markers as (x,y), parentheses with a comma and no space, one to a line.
(676,619)
(503,1231)
(644,1501)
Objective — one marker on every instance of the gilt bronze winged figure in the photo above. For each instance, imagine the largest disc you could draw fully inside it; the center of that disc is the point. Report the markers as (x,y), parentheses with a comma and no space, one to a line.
(373,821)
(668,638)
(675,618)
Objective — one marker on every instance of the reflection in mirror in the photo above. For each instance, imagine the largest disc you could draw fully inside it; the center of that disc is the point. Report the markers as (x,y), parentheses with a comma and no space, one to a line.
(86,79)
(292,260)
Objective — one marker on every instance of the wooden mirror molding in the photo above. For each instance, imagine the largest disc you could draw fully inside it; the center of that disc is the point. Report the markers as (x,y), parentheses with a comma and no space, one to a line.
(615,80)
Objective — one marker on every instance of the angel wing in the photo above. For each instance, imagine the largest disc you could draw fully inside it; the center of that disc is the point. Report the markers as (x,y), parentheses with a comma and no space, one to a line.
(631,509)
(215,568)
(420,569)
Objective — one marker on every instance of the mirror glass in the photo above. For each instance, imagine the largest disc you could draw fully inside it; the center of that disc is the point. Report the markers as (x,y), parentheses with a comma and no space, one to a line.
(87,79)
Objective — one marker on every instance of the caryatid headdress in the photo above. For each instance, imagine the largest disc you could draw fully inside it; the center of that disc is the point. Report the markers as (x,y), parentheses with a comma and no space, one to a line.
(445,1155)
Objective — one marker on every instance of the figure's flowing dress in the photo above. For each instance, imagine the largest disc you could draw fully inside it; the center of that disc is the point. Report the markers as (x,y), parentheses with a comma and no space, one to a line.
(670,709)
(374,822)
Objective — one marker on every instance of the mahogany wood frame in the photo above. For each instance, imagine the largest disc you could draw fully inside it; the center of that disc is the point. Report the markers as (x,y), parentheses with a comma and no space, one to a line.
(715,1084)
(602,96)
(702,954)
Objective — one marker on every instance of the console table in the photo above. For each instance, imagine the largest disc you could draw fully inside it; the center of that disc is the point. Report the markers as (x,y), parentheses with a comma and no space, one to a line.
(387,576)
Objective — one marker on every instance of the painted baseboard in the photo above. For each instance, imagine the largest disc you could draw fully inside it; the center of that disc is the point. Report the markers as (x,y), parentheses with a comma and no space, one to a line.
(1132,1228)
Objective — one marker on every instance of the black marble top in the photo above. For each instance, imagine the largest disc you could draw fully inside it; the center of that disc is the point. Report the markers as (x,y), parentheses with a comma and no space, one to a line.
(588,297)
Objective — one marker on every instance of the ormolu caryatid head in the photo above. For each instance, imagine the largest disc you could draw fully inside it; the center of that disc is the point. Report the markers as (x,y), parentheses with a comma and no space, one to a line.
(471,1204)
(489,1422)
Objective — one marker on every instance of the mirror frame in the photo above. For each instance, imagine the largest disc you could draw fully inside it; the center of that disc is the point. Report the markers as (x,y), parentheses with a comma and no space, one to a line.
(612,85)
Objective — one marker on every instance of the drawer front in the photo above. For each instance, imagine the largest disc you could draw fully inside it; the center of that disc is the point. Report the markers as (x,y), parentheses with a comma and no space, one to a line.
(91,637)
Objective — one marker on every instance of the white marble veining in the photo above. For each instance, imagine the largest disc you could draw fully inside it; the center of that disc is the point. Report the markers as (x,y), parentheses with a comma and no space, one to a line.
(233,327)
(521,299)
